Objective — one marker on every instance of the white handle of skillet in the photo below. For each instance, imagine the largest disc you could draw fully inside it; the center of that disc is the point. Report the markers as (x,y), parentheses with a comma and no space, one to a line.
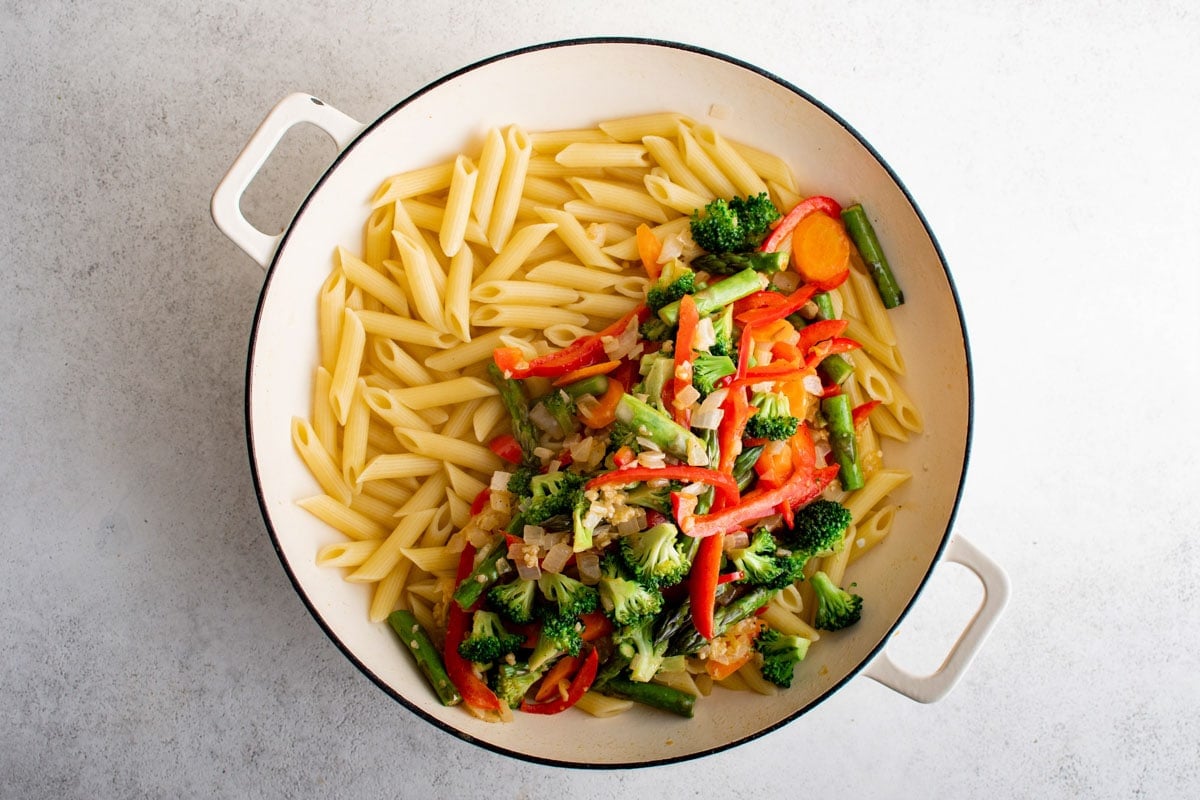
(931,688)
(226,200)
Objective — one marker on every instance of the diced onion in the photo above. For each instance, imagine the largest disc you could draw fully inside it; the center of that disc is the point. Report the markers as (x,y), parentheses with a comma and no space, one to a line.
(530,572)
(499,481)
(539,416)
(589,566)
(556,558)
(534,535)
(709,415)
(737,540)
(706,335)
(812,384)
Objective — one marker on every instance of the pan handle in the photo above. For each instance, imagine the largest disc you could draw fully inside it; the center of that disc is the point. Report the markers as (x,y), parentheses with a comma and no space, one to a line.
(931,688)
(226,200)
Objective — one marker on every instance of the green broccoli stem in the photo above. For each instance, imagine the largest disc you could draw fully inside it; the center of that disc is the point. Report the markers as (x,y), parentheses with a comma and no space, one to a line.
(512,394)
(482,576)
(835,369)
(596,385)
(729,263)
(718,295)
(656,426)
(651,694)
(863,234)
(843,440)
(428,659)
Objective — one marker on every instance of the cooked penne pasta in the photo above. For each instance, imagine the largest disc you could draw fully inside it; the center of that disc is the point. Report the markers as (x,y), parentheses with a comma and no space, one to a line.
(434,560)
(349,359)
(881,484)
(553,141)
(517,150)
(577,276)
(670,194)
(418,274)
(602,155)
(458,293)
(619,197)
(372,281)
(572,233)
(444,393)
(729,161)
(387,592)
(478,349)
(606,306)
(491,165)
(523,316)
(319,462)
(666,155)
(702,165)
(403,329)
(413,183)
(516,252)
(528,292)
(330,304)
(453,230)
(340,516)
(385,558)
(638,127)
(354,436)
(347,554)
(448,449)
(488,416)
(324,422)
(770,167)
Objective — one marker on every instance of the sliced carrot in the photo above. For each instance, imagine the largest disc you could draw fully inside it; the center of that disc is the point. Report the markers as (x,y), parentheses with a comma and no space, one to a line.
(719,670)
(649,250)
(821,251)
(602,368)
(559,672)
(605,411)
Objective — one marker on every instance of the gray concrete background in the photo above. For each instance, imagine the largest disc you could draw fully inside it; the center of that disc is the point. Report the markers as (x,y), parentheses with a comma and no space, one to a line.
(150,643)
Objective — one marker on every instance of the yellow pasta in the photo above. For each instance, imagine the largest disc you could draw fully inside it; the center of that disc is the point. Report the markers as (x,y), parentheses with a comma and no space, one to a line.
(427,299)
(454,451)
(517,150)
(403,329)
(340,516)
(528,292)
(413,183)
(428,217)
(770,167)
(399,465)
(524,316)
(387,592)
(667,193)
(331,303)
(354,436)
(515,253)
(453,231)
(619,197)
(878,486)
(577,276)
(444,393)
(323,420)
(638,127)
(591,154)
(491,412)
(458,293)
(729,161)
(871,532)
(554,141)
(479,348)
(702,165)
(347,554)
(491,164)
(571,232)
(398,362)
(433,560)
(349,359)
(385,558)
(607,306)
(319,462)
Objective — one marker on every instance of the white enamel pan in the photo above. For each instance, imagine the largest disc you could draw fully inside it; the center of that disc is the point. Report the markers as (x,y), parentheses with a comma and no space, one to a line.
(576,84)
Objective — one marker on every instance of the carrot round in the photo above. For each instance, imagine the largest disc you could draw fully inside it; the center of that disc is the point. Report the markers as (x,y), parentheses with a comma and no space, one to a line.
(821,251)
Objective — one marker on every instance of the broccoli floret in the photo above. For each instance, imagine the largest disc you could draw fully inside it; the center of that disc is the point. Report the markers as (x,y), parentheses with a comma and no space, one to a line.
(561,407)
(655,330)
(488,640)
(514,600)
(723,329)
(567,596)
(708,369)
(581,529)
(656,556)
(560,635)
(518,481)
(757,559)
(622,435)
(656,497)
(780,655)
(774,419)
(673,282)
(625,601)
(836,608)
(734,226)
(636,642)
(817,528)
(513,681)
(551,494)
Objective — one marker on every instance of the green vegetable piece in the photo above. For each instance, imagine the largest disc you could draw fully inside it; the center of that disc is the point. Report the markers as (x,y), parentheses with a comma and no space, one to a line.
(427,656)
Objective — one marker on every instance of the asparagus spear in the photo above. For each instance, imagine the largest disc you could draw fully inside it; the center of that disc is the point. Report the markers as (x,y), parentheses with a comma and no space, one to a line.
(656,426)
(860,230)
(482,576)
(512,394)
(651,694)
(718,295)
(835,369)
(428,659)
(729,263)
(596,385)
(843,440)
(688,640)
(824,305)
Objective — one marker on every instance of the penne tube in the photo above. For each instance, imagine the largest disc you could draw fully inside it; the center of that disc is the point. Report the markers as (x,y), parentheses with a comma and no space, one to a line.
(437,560)
(489,414)
(770,167)
(527,292)
(788,622)
(627,249)
(429,217)
(377,235)
(459,422)
(403,329)
(454,451)
(428,495)
(904,410)
(729,161)
(873,530)
(399,465)
(602,155)
(702,165)
(783,197)
(387,592)
(330,304)
(553,141)
(395,360)
(389,492)
(633,286)
(347,554)
(631,201)
(638,127)
(887,355)
(834,565)
(374,508)
(478,349)
(418,274)
(870,306)
(412,183)
(453,230)
(673,196)
(392,411)
(354,436)
(523,316)
(491,164)
(877,487)
(544,166)
(324,422)
(608,306)
(577,276)
(517,150)
(463,484)
(547,191)
(389,553)
(349,360)
(667,156)
(340,516)
(372,281)
(886,425)
(874,382)
(515,253)
(601,705)
(576,239)
(444,393)
(458,293)
(591,212)
(319,462)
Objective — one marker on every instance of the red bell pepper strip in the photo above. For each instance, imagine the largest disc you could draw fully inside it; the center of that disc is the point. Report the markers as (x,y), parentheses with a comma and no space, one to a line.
(730,577)
(702,583)
(819,331)
(729,432)
(800,211)
(683,509)
(685,337)
(505,445)
(860,412)
(745,345)
(801,488)
(595,625)
(578,688)
(583,352)
(791,304)
(679,472)
(474,691)
(481,501)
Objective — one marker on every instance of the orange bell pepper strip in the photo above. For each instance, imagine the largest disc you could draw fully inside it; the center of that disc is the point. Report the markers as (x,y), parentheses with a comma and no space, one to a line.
(790,220)
(603,368)
(860,413)
(605,410)
(774,465)
(474,691)
(800,489)
(702,583)
(729,432)
(559,671)
(579,685)
(685,337)
(595,626)
(649,249)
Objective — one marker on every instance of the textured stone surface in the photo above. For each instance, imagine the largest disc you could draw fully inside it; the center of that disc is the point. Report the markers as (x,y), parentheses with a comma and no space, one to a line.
(150,643)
